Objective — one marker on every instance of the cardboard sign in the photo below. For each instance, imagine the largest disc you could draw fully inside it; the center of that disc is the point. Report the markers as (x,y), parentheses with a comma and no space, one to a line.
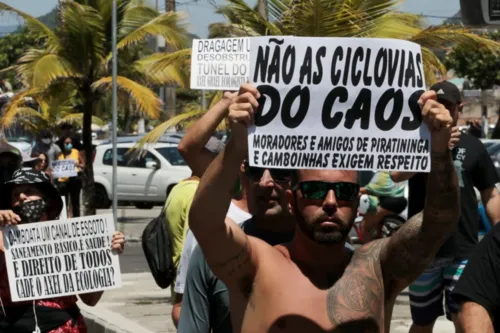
(61,258)
(64,168)
(338,103)
(220,64)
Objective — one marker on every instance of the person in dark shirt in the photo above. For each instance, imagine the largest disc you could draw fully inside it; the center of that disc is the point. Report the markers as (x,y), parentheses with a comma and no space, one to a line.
(474,169)
(478,291)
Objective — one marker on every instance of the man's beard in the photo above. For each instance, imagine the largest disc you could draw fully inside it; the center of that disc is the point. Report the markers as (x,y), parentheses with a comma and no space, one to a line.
(324,235)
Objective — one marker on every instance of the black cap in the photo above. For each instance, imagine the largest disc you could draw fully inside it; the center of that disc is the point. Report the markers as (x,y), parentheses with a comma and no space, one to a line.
(42,181)
(6,148)
(447,92)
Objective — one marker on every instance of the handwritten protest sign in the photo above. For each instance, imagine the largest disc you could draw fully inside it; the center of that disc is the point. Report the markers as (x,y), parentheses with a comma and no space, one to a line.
(338,103)
(64,168)
(220,64)
(61,258)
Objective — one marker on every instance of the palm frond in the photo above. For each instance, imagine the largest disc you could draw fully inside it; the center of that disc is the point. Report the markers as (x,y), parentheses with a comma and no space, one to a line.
(155,135)
(432,66)
(239,12)
(82,27)
(445,36)
(77,119)
(225,30)
(52,42)
(39,69)
(326,18)
(169,25)
(276,8)
(146,100)
(21,115)
(10,110)
(135,16)
(166,68)
(397,26)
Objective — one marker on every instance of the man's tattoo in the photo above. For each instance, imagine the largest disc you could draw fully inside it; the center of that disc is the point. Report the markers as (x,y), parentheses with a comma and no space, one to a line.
(359,295)
(411,248)
(234,264)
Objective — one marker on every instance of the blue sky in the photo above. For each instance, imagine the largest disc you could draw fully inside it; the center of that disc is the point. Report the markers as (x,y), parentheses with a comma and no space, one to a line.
(202,12)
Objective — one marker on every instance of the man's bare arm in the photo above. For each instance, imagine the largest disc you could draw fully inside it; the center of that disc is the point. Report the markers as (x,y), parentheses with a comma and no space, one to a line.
(491,201)
(473,318)
(409,251)
(192,145)
(227,249)
(398,176)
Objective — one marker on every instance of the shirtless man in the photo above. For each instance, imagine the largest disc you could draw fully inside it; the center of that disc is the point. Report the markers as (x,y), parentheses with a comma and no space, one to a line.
(311,284)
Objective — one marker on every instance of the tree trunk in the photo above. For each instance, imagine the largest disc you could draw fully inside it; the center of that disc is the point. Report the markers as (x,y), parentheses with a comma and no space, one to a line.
(88,179)
(262,8)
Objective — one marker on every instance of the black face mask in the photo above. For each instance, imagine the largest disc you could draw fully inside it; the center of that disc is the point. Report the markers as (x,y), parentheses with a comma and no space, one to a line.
(31,211)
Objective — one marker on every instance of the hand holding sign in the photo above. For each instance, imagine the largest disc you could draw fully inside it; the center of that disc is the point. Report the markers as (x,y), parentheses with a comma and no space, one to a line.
(438,120)
(242,112)
(8,217)
(118,242)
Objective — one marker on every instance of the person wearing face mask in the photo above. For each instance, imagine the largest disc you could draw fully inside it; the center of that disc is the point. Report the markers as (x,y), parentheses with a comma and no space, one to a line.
(71,186)
(35,199)
(46,145)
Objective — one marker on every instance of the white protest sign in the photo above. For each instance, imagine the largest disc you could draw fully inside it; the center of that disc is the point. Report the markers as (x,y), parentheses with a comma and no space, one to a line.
(220,64)
(61,258)
(64,168)
(338,103)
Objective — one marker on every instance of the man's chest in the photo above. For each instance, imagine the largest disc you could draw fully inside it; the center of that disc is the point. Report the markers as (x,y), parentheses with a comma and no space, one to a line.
(286,301)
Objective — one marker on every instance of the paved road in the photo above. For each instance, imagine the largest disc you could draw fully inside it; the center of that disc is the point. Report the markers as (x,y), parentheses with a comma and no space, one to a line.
(132,260)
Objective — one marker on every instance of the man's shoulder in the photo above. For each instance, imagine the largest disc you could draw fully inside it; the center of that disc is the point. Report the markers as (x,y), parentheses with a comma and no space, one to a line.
(470,142)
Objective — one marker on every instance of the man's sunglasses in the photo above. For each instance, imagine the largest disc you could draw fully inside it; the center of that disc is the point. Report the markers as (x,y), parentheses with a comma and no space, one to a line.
(317,190)
(278,175)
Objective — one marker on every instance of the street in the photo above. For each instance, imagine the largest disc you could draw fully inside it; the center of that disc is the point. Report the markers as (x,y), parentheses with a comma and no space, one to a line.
(132,260)
(132,221)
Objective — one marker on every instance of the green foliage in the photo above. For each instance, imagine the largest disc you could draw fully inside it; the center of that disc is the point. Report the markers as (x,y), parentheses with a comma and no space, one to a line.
(12,47)
(479,65)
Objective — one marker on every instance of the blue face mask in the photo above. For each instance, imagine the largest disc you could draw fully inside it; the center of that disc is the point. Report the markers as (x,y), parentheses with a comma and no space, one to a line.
(69,146)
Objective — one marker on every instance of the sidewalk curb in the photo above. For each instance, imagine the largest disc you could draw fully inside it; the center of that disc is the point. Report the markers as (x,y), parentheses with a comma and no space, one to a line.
(102,320)
(133,239)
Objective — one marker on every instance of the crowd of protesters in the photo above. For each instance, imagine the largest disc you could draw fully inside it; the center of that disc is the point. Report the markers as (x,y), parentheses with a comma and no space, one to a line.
(259,250)
(267,250)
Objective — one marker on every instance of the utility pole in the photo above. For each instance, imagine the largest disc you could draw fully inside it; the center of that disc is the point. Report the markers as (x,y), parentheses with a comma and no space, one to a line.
(262,9)
(170,5)
(170,90)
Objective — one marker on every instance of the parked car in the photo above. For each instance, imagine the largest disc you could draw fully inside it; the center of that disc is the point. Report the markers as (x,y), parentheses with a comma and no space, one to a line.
(24,145)
(145,178)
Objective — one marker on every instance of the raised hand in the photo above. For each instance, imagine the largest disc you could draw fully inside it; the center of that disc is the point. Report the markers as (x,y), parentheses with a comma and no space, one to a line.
(439,120)
(242,111)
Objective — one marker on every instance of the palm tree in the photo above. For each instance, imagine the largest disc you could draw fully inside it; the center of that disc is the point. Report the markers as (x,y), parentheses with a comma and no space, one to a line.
(44,112)
(76,57)
(336,18)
